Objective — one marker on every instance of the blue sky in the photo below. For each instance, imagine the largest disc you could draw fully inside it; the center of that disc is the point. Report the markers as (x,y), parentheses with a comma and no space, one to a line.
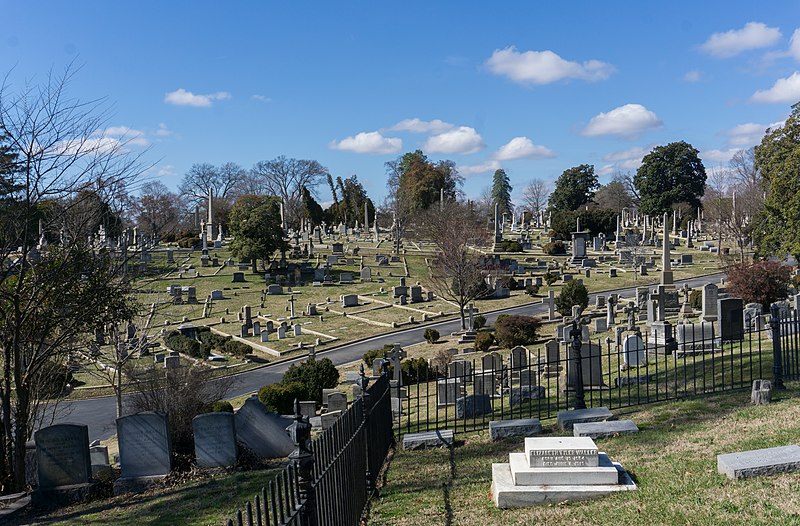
(529,87)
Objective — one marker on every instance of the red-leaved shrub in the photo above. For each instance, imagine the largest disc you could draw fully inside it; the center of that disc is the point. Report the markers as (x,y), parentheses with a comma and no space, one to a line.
(763,282)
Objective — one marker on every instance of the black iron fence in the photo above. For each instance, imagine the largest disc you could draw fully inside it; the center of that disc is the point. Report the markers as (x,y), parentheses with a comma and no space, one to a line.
(329,480)
(629,369)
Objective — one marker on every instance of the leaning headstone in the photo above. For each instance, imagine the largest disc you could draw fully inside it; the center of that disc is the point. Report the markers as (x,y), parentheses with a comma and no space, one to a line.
(262,431)
(761,393)
(214,440)
(145,451)
(473,406)
(63,465)
(523,427)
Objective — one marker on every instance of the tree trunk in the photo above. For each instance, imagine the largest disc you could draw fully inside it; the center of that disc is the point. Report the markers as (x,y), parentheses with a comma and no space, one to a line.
(463,319)
(119,391)
(21,420)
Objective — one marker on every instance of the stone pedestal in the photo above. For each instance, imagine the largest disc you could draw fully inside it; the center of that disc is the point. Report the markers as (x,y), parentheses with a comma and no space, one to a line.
(556,469)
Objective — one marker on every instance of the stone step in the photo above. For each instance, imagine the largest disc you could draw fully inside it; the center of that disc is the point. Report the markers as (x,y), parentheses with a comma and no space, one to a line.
(508,495)
(428,439)
(523,427)
(769,461)
(566,419)
(523,475)
(604,429)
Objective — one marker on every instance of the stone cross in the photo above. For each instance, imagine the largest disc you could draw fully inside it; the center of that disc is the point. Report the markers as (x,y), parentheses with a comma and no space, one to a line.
(611,305)
(631,309)
(660,298)
(550,300)
(395,356)
(291,306)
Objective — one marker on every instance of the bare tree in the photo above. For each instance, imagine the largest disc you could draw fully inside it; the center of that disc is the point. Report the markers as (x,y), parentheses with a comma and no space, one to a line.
(535,195)
(286,178)
(614,195)
(55,287)
(157,208)
(717,203)
(455,272)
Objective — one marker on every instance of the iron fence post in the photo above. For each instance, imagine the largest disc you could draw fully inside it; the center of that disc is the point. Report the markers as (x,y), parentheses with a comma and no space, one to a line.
(575,334)
(302,459)
(363,382)
(777,355)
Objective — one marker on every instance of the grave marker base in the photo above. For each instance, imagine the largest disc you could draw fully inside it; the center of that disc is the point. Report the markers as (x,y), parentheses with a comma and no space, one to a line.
(64,495)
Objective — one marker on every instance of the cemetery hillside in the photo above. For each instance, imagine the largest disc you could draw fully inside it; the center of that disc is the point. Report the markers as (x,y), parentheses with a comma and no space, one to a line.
(538,339)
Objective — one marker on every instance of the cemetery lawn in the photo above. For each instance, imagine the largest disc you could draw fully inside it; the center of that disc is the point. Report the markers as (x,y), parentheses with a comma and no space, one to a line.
(672,459)
(209,501)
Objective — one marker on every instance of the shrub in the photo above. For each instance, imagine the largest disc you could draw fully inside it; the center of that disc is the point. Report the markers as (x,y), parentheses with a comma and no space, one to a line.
(52,378)
(280,397)
(176,341)
(508,282)
(573,293)
(696,299)
(237,348)
(315,375)
(483,341)
(210,341)
(764,282)
(479,322)
(550,278)
(189,242)
(370,356)
(509,246)
(221,406)
(511,330)
(441,359)
(532,290)
(554,248)
(414,370)
(431,335)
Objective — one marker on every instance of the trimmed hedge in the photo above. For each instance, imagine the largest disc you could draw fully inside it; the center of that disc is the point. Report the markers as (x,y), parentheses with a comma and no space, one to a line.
(237,348)
(370,356)
(176,341)
(573,293)
(280,397)
(479,322)
(314,375)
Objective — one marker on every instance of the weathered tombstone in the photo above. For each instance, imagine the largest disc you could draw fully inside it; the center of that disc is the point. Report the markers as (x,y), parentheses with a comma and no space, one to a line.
(366,274)
(448,391)
(274,289)
(262,431)
(551,367)
(416,294)
(519,357)
(591,367)
(337,402)
(63,465)
(473,405)
(238,277)
(145,451)
(710,298)
(216,294)
(761,393)
(308,408)
(215,440)
(634,352)
(172,362)
(731,319)
(298,329)
(281,332)
(350,300)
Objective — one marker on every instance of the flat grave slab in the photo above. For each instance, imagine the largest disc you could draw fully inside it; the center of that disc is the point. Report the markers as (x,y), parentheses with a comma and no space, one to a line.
(604,429)
(428,439)
(566,419)
(550,452)
(523,427)
(770,461)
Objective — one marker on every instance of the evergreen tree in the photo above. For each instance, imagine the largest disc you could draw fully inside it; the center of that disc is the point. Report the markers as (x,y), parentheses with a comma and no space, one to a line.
(670,175)
(501,191)
(575,187)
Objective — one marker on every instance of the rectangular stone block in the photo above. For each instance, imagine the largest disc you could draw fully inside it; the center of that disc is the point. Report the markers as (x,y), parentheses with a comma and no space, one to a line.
(523,427)
(428,439)
(564,452)
(770,461)
(604,429)
(524,475)
(566,419)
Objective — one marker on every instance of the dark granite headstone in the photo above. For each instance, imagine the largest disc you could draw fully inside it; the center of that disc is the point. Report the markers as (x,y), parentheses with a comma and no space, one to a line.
(62,453)
(145,449)
(262,431)
(731,318)
(214,440)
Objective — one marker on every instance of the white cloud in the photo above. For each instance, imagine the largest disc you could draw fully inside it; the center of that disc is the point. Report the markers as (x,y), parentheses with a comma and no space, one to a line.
(182,97)
(794,45)
(626,160)
(692,76)
(522,148)
(126,135)
(719,156)
(369,142)
(784,90)
(460,140)
(166,171)
(754,35)
(625,121)
(89,145)
(416,125)
(261,98)
(746,134)
(544,67)
(163,131)
(489,166)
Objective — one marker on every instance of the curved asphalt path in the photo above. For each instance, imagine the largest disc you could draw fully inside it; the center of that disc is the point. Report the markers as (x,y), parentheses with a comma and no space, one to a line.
(100,413)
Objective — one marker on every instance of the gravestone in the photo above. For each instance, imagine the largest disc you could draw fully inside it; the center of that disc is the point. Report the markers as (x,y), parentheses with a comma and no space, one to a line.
(238,277)
(416,294)
(350,300)
(63,464)
(519,357)
(769,461)
(448,391)
(337,402)
(731,319)
(634,352)
(145,451)
(216,295)
(472,406)
(552,366)
(215,440)
(262,431)
(710,298)
(366,274)
(274,289)
(591,367)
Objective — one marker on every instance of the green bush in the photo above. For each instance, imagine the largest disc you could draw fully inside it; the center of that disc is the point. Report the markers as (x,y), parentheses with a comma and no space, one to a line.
(280,397)
(696,299)
(222,406)
(210,341)
(509,246)
(189,242)
(508,282)
(315,375)
(479,322)
(237,348)
(573,293)
(511,330)
(483,341)
(532,290)
(414,370)
(370,356)
(550,278)
(431,335)
(176,341)
(554,248)
(53,377)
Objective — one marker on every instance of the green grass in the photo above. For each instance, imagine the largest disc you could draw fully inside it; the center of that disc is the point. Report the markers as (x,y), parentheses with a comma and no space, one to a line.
(673,460)
(210,501)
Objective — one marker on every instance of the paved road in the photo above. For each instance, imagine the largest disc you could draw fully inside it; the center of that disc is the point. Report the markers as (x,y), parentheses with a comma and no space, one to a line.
(99,413)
